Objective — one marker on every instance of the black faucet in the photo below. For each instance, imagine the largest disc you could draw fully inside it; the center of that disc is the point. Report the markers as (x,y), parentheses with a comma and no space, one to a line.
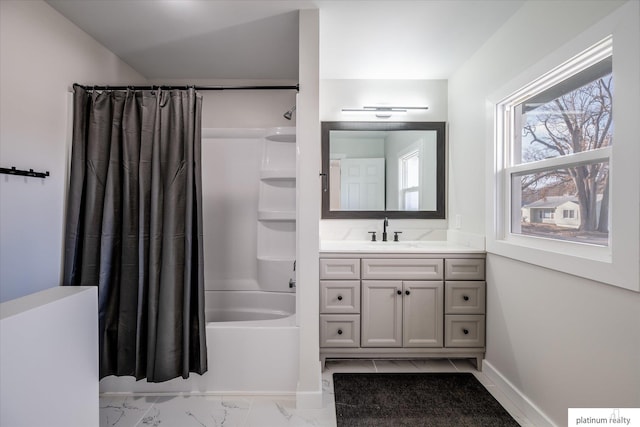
(385,223)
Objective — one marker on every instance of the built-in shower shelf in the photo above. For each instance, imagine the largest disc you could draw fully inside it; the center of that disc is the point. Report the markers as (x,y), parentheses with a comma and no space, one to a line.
(274,259)
(277,211)
(271,215)
(276,174)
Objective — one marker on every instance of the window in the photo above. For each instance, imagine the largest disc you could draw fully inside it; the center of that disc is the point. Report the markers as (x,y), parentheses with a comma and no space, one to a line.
(558,136)
(546,214)
(410,181)
(603,246)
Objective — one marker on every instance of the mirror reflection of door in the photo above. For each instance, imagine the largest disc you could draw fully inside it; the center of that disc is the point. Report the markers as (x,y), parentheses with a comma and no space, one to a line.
(362,184)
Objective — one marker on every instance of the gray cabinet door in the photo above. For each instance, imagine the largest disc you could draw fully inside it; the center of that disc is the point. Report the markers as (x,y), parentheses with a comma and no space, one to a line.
(422,313)
(381,313)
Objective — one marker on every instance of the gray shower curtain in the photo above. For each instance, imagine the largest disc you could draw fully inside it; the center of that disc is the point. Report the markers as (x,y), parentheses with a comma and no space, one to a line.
(134,228)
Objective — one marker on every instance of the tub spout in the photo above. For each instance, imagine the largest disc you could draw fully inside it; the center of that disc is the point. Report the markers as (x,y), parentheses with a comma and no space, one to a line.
(292,283)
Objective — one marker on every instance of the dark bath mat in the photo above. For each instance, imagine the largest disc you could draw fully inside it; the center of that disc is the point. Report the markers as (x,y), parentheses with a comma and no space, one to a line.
(416,399)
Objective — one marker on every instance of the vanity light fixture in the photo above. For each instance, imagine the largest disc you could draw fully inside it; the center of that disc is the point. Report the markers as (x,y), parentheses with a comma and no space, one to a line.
(382,112)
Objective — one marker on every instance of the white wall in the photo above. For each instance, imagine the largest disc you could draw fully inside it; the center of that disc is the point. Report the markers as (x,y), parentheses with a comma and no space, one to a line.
(309,393)
(242,109)
(49,358)
(554,340)
(336,94)
(41,55)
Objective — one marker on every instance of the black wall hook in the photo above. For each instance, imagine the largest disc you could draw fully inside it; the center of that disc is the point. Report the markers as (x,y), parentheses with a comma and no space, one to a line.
(20,172)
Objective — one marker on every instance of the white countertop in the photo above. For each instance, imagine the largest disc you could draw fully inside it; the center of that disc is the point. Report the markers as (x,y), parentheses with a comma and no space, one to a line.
(405,247)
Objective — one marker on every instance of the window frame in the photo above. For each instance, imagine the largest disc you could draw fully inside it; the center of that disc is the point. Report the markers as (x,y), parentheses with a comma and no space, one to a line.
(616,264)
(509,115)
(404,179)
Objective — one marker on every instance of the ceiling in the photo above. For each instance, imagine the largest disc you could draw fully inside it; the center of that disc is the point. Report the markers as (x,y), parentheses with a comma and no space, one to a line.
(258,40)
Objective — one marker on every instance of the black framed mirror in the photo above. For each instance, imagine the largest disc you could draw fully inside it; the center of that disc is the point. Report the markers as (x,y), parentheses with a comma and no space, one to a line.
(383,169)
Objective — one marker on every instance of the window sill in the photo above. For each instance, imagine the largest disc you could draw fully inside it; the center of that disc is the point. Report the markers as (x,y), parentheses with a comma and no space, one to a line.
(587,261)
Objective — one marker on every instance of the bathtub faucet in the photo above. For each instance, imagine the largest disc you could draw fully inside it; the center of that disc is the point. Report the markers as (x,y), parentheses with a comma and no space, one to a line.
(292,282)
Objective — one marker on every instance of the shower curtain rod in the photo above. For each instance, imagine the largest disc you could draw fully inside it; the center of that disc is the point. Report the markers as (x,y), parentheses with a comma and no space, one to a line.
(184,87)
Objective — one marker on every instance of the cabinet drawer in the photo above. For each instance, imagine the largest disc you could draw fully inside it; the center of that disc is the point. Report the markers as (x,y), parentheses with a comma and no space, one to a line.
(339,330)
(340,296)
(464,269)
(339,269)
(464,297)
(464,330)
(402,269)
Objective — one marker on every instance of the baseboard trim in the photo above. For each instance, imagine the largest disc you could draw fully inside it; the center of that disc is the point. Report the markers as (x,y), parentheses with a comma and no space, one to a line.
(310,399)
(522,402)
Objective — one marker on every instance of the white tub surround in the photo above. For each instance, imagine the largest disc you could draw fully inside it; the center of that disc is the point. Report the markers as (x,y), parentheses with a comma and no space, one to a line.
(412,299)
(252,348)
(49,358)
(277,211)
(249,197)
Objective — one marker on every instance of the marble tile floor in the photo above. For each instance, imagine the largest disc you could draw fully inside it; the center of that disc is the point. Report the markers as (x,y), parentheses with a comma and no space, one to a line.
(268,411)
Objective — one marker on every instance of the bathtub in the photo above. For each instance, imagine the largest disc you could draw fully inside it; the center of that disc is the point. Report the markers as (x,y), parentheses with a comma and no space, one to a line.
(252,348)
(232,306)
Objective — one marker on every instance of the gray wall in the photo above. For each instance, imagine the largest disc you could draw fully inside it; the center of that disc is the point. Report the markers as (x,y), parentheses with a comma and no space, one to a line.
(556,340)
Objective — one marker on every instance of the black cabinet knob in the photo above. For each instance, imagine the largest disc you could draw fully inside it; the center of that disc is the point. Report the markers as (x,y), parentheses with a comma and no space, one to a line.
(339,297)
(399,292)
(407,292)
(339,331)
(465,331)
(465,297)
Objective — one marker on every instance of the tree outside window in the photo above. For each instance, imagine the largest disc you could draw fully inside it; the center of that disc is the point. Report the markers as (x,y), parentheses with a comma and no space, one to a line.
(556,127)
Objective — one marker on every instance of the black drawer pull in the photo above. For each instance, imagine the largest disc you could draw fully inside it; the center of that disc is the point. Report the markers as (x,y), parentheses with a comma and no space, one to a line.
(465,331)
(339,297)
(407,292)
(339,331)
(465,297)
(399,292)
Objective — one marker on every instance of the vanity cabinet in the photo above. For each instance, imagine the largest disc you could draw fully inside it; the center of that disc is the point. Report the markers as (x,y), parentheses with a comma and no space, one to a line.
(402,306)
(401,313)
(340,303)
(464,302)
